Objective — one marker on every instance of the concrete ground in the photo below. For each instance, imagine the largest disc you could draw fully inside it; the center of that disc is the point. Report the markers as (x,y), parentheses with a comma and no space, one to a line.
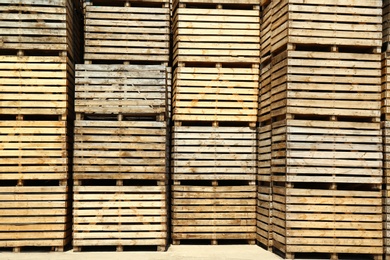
(178,252)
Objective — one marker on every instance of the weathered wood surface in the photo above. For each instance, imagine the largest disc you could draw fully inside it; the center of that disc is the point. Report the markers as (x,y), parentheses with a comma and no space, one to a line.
(36,216)
(264,136)
(127,33)
(122,89)
(33,150)
(326,83)
(264,215)
(209,34)
(41,26)
(327,221)
(326,152)
(385,113)
(215,94)
(265,89)
(120,216)
(342,23)
(35,85)
(213,153)
(120,150)
(213,212)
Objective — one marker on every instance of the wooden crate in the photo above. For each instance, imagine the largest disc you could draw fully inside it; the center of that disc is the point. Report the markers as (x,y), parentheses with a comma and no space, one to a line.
(264,135)
(307,151)
(120,150)
(216,31)
(326,83)
(213,153)
(34,216)
(264,215)
(386,23)
(213,213)
(386,151)
(307,219)
(342,23)
(119,216)
(265,85)
(33,85)
(265,30)
(41,26)
(33,150)
(121,89)
(139,32)
(215,94)
(385,86)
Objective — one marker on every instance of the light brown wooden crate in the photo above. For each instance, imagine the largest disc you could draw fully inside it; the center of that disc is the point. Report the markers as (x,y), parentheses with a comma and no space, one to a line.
(216,35)
(34,150)
(265,85)
(326,152)
(337,23)
(36,85)
(213,153)
(120,216)
(213,212)
(264,134)
(264,214)
(127,33)
(36,216)
(120,150)
(215,94)
(41,26)
(122,89)
(326,83)
(327,221)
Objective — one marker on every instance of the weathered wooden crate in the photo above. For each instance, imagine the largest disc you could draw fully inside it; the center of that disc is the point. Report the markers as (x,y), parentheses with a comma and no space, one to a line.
(213,213)
(265,30)
(42,26)
(343,23)
(33,150)
(216,31)
(386,23)
(138,32)
(128,215)
(264,215)
(265,85)
(386,151)
(386,219)
(213,153)
(332,152)
(385,86)
(310,219)
(122,89)
(215,94)
(34,216)
(264,136)
(107,149)
(326,83)
(36,85)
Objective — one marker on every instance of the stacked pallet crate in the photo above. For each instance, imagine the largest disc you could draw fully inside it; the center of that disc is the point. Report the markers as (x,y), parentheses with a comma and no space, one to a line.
(38,48)
(386,124)
(320,68)
(264,202)
(215,92)
(120,148)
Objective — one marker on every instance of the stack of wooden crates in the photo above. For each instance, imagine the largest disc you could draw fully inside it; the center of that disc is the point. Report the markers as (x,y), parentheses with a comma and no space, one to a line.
(215,92)
(120,147)
(38,48)
(320,152)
